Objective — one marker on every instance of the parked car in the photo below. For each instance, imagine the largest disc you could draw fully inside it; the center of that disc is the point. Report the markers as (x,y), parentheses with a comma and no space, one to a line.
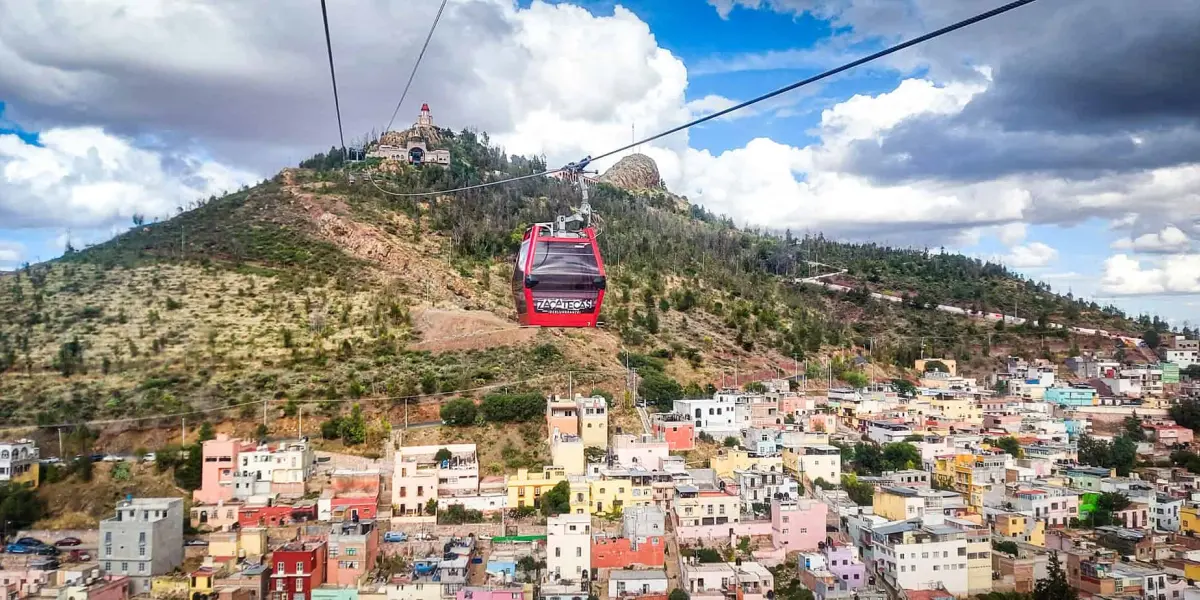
(29,541)
(45,564)
(395,537)
(112,458)
(97,457)
(80,555)
(46,551)
(19,549)
(149,457)
(196,542)
(69,541)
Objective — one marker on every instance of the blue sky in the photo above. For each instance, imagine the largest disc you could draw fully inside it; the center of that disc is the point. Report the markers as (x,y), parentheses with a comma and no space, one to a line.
(937,155)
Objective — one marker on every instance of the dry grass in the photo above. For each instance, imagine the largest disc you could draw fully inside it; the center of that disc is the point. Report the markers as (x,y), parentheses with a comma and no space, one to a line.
(76,504)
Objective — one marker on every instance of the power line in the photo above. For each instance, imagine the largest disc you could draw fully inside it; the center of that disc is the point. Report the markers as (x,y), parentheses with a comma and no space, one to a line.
(333,75)
(850,65)
(458,189)
(420,56)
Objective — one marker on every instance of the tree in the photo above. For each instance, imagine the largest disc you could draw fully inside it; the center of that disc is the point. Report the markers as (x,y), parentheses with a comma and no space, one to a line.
(755,387)
(442,455)
(936,365)
(678,594)
(459,412)
(863,494)
(1133,428)
(1152,338)
(731,442)
(557,501)
(70,358)
(431,507)
(1186,412)
(901,455)
(593,454)
(905,387)
(1007,547)
(331,429)
(856,379)
(261,431)
(1054,586)
(1010,446)
(868,459)
(659,389)
(206,432)
(20,506)
(353,430)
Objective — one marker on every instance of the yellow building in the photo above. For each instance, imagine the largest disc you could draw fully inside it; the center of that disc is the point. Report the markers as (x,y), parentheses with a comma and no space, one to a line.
(593,421)
(620,491)
(581,496)
(201,582)
(1189,519)
(566,451)
(737,459)
(1191,569)
(958,409)
(969,474)
(169,587)
(1016,527)
(525,488)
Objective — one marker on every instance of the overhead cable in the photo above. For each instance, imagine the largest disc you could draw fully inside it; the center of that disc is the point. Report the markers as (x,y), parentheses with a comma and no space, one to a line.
(436,18)
(850,65)
(333,75)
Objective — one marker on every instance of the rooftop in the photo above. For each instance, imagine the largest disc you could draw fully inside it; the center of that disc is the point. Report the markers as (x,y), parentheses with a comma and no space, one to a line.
(629,575)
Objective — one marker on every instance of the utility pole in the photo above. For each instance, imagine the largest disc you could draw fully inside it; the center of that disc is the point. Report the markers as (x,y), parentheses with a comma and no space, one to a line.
(182,432)
(60,446)
(571,385)
(300,423)
(265,411)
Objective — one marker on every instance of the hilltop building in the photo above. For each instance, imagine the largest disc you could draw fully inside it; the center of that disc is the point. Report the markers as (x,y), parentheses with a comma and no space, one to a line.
(415,146)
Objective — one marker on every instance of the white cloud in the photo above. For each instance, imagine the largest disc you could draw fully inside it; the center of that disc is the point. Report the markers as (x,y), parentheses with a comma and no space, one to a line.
(1011,234)
(84,177)
(1170,240)
(1031,255)
(11,253)
(1176,274)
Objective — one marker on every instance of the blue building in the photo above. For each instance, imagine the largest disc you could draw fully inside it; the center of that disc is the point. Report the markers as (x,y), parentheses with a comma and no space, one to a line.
(1076,395)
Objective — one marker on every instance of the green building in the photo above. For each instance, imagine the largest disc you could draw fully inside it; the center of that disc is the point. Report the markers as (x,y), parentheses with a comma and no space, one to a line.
(1170,372)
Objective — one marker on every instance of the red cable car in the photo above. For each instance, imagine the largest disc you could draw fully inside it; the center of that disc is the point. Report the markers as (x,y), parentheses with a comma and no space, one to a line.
(559,279)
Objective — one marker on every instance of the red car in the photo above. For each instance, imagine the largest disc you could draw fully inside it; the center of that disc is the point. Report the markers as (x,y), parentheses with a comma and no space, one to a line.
(68,541)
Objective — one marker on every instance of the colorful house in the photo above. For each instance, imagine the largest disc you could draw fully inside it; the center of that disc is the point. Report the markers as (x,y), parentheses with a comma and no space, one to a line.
(525,488)
(299,567)
(219,468)
(677,429)
(797,524)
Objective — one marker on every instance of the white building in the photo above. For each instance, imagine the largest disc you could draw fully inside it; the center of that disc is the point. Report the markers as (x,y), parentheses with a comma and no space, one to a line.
(816,461)
(757,486)
(885,432)
(622,583)
(640,451)
(1164,514)
(715,416)
(922,555)
(17,458)
(568,548)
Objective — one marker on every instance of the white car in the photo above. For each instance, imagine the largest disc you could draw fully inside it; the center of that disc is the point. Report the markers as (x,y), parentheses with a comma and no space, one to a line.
(149,457)
(112,458)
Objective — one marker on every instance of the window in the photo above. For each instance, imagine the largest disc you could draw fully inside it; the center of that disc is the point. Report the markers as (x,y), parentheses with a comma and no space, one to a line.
(935,567)
(299,585)
(962,551)
(558,553)
(107,537)
(578,552)
(141,550)
(279,568)
(124,567)
(141,567)
(803,530)
(924,555)
(351,551)
(299,567)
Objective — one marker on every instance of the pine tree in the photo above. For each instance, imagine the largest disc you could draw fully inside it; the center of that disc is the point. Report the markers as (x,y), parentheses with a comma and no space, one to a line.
(1054,586)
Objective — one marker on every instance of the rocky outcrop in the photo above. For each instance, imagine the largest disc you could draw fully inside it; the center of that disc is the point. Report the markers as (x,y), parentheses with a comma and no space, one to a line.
(635,172)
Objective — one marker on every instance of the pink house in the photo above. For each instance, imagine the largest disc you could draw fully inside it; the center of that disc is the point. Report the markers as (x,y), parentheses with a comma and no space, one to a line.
(797,524)
(842,560)
(111,587)
(798,406)
(218,469)
(644,450)
(822,422)
(1136,516)
(1169,435)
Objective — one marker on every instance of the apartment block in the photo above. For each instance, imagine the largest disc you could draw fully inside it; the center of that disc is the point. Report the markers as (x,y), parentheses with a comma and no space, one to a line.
(143,539)
(353,549)
(299,568)
(916,555)
(418,478)
(593,420)
(676,428)
(568,548)
(797,524)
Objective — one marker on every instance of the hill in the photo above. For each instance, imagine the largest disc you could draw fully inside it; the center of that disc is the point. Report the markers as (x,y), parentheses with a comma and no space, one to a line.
(317,288)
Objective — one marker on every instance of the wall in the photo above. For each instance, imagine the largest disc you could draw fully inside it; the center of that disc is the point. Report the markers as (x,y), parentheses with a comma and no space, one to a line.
(721,532)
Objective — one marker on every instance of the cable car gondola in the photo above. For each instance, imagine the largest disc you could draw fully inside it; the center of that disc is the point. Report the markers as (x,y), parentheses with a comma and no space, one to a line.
(559,279)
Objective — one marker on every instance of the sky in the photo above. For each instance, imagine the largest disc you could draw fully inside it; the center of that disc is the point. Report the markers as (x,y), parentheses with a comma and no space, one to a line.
(1061,139)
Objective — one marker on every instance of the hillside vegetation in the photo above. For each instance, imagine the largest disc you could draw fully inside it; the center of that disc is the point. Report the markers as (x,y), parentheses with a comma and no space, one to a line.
(316,288)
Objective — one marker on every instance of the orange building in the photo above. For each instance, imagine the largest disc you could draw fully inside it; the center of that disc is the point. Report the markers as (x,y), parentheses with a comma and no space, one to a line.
(620,552)
(677,429)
